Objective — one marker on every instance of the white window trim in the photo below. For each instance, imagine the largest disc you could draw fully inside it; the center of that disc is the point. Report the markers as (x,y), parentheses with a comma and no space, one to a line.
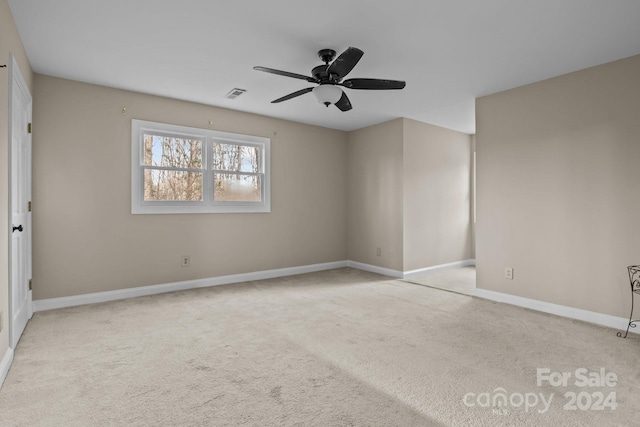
(140,206)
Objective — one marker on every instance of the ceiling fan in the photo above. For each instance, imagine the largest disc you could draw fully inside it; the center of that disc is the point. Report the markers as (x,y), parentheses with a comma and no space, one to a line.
(329,78)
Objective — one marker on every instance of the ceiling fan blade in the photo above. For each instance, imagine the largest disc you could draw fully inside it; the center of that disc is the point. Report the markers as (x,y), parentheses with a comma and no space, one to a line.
(285,73)
(343,103)
(373,84)
(344,63)
(293,95)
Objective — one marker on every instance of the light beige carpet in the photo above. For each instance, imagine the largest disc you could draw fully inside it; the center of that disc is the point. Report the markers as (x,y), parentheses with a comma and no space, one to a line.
(461,280)
(335,348)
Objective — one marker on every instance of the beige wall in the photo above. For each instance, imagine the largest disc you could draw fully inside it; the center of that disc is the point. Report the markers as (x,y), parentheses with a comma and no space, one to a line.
(437,195)
(375,204)
(87,240)
(558,182)
(10,43)
(409,195)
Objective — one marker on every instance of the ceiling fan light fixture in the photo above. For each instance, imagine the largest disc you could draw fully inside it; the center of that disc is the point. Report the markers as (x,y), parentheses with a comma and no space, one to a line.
(327,94)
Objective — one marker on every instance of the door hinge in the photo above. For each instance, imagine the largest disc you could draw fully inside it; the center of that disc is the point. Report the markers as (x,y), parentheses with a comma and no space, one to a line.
(29,128)
(29,206)
(30,284)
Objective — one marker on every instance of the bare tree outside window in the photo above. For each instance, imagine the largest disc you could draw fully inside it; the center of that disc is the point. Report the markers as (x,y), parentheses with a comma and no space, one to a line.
(174,171)
(237,174)
(179,169)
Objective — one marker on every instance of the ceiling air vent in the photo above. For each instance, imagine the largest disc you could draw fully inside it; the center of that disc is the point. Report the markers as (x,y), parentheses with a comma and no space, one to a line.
(234,93)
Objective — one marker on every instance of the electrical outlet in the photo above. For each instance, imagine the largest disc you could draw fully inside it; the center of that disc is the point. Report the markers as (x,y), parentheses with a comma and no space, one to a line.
(378,252)
(508,273)
(185,261)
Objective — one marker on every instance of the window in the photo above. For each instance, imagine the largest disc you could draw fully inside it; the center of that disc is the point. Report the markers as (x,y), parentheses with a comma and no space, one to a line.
(177,169)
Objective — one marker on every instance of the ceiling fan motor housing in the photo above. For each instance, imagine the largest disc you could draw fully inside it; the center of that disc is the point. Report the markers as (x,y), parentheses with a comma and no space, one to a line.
(322,75)
(321,71)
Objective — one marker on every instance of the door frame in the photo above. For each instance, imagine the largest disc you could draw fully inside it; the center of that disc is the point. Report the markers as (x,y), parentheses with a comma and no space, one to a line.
(17,80)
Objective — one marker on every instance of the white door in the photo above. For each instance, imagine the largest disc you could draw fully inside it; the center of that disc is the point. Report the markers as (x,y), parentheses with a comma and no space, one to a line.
(20,204)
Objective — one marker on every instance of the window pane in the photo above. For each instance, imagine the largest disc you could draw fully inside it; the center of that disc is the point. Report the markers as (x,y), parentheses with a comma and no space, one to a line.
(241,158)
(163,185)
(172,152)
(238,188)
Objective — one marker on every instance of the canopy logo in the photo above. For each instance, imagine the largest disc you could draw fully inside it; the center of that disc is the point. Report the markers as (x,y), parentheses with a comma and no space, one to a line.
(500,402)
(594,398)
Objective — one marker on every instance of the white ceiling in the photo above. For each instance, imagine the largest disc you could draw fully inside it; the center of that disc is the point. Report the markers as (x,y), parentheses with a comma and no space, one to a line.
(448,51)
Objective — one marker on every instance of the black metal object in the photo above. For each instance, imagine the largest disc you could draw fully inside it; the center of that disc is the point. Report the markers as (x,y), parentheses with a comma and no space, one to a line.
(19,228)
(634,280)
(332,73)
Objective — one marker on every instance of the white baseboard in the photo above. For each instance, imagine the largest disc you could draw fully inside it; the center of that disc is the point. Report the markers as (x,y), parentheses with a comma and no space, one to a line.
(5,365)
(559,310)
(375,269)
(412,274)
(97,297)
(409,274)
